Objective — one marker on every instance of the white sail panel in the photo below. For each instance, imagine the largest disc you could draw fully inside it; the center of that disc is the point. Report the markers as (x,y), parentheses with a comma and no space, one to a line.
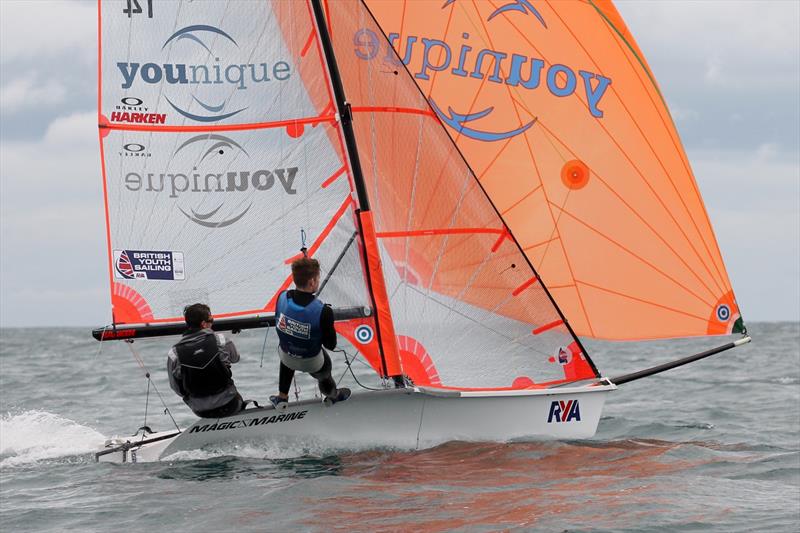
(204,63)
(229,206)
(210,186)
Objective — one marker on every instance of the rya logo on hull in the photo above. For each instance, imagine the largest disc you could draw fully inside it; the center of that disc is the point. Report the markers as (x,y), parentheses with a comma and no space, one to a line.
(564,411)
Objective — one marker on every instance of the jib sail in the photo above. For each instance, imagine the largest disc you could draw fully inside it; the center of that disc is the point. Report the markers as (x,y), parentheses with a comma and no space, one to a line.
(468,308)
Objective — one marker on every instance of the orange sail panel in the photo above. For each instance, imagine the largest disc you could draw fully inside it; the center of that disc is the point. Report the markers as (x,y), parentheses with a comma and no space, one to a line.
(557,112)
(458,284)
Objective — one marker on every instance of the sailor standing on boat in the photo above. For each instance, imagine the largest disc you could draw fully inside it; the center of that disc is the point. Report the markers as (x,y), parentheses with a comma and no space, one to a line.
(199,367)
(305,329)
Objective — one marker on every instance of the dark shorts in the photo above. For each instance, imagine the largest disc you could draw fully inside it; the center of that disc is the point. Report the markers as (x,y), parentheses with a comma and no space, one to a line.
(230,408)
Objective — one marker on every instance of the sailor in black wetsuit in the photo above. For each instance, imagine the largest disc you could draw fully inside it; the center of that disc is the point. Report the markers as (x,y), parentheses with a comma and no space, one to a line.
(199,367)
(305,326)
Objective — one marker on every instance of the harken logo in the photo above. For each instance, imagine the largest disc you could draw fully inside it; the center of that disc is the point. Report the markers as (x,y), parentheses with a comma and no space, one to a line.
(132,110)
(514,68)
(221,185)
(564,411)
(216,78)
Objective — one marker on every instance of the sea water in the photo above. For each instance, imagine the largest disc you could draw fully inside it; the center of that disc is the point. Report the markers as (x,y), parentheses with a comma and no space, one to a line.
(713,446)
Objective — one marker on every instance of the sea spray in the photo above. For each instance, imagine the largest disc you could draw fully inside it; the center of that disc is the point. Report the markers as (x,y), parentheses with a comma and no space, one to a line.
(33,436)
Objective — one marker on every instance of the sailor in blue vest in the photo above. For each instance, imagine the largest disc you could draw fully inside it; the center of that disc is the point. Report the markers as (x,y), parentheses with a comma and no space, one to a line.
(305,328)
(199,367)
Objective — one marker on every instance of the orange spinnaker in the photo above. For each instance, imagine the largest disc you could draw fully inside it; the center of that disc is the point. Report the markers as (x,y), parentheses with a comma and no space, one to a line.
(557,112)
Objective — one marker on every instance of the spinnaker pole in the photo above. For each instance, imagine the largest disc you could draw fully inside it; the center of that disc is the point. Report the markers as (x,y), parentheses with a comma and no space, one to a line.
(384,325)
(626,378)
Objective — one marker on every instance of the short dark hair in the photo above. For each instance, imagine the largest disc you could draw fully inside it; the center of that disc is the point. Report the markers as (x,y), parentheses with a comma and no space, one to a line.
(196,314)
(304,270)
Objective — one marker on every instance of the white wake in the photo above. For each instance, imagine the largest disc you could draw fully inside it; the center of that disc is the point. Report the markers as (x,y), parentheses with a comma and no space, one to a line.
(33,436)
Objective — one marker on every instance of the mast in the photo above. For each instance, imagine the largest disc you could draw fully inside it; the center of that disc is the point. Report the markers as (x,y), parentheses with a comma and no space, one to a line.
(376,283)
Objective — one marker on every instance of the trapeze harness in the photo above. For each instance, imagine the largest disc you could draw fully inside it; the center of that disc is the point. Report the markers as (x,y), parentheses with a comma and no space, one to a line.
(202,371)
(299,329)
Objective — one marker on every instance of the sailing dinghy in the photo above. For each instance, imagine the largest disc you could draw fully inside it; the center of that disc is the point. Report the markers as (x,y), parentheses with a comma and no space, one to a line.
(482,182)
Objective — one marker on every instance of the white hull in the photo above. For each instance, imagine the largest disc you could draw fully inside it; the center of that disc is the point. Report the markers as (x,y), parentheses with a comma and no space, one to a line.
(409,418)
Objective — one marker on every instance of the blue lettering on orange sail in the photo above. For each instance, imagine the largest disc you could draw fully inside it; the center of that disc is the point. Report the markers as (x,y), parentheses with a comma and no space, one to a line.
(495,66)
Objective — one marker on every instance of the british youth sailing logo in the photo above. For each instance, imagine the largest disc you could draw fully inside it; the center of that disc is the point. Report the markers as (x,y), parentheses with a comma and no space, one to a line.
(219,189)
(461,58)
(142,265)
(203,92)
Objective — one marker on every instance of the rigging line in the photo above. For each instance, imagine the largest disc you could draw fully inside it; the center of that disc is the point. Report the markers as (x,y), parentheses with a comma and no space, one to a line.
(350,368)
(146,405)
(486,195)
(636,256)
(337,262)
(421,418)
(139,360)
(102,334)
(264,347)
(538,244)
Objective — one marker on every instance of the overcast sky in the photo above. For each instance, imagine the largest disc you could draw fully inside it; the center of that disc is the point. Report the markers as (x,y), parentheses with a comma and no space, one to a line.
(730,72)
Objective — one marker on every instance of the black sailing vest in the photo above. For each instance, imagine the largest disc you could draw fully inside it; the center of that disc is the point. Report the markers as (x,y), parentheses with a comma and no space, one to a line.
(202,371)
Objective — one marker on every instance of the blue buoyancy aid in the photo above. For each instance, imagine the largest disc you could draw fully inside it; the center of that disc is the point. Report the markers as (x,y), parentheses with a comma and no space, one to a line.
(298,327)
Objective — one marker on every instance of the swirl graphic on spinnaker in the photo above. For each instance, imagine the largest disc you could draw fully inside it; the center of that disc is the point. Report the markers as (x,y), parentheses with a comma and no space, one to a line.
(457,121)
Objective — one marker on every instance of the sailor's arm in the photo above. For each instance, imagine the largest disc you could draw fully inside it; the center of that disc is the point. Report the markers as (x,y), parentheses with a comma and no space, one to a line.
(328,330)
(174,373)
(230,353)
